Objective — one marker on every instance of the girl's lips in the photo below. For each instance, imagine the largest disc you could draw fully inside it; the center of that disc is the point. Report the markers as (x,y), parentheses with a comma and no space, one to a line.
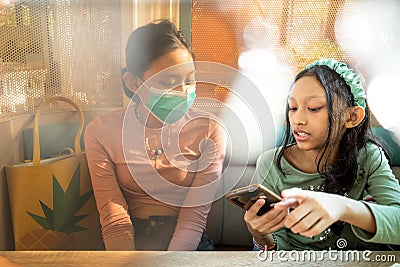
(300,135)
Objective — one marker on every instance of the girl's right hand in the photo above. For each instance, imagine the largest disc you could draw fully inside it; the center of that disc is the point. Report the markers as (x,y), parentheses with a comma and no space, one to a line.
(259,226)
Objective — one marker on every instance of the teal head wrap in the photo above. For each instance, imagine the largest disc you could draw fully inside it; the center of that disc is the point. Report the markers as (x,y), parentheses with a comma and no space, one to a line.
(351,78)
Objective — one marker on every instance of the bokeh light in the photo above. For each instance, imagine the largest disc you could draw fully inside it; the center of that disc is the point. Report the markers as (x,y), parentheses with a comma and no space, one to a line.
(371,33)
(383,97)
(373,37)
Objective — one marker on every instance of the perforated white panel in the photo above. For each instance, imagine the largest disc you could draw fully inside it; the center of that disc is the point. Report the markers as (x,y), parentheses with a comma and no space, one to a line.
(57,47)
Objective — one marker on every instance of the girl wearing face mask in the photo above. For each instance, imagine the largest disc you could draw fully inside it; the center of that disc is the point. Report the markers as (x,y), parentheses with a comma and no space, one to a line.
(155,165)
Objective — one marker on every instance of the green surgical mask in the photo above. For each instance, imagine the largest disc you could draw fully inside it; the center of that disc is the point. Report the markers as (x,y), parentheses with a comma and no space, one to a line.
(169,105)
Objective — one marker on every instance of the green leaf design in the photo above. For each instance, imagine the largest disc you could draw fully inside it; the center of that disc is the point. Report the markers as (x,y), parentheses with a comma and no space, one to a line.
(74,229)
(48,212)
(40,220)
(66,205)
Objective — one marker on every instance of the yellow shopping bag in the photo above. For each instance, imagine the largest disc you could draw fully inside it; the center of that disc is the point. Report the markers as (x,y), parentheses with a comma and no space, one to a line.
(52,202)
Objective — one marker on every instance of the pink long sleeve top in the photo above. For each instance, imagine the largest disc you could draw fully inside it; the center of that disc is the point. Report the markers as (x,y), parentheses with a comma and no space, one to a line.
(127,177)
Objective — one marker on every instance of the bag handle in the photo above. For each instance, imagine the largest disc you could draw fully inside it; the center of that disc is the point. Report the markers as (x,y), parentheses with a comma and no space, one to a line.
(36,141)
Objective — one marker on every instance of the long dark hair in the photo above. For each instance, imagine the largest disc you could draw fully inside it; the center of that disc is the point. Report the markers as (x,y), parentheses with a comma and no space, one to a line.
(340,172)
(149,42)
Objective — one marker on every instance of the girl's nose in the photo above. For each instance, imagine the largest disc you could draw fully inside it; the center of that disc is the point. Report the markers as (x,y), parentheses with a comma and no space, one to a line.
(181,88)
(299,118)
(184,87)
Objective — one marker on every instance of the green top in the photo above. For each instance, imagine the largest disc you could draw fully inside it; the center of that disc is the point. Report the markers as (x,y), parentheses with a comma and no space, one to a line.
(374,178)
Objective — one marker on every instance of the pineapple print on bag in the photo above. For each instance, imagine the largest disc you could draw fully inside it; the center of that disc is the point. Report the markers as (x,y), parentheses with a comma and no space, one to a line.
(59,223)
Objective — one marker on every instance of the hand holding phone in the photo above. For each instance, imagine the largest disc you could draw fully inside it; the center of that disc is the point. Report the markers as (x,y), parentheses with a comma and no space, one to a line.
(246,196)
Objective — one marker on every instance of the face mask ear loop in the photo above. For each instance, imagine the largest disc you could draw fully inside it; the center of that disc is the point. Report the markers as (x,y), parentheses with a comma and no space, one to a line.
(148,111)
(139,88)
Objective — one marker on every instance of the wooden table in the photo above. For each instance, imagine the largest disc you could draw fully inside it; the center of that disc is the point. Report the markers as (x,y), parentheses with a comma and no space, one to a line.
(204,259)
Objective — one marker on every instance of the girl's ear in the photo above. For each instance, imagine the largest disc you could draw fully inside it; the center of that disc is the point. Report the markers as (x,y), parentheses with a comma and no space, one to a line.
(131,81)
(354,116)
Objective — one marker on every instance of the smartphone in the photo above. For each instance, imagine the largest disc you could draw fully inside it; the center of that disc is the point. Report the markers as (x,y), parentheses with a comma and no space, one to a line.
(246,196)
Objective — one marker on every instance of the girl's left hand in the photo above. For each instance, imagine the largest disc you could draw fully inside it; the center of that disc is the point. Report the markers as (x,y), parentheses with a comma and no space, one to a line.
(314,211)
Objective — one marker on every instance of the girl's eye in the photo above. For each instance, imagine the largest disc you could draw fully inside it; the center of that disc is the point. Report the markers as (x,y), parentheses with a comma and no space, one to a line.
(292,109)
(314,109)
(168,84)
